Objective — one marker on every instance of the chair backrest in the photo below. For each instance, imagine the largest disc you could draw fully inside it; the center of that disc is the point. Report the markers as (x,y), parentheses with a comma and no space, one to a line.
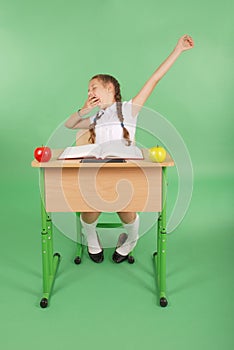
(82,137)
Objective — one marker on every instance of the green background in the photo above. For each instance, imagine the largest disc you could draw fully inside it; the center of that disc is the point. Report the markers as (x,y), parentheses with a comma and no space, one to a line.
(49,50)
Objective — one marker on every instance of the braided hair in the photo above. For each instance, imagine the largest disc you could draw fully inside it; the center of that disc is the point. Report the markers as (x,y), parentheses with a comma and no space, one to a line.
(105,79)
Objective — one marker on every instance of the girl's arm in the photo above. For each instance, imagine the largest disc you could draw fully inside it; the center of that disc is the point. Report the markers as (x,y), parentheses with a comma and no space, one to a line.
(75,121)
(184,43)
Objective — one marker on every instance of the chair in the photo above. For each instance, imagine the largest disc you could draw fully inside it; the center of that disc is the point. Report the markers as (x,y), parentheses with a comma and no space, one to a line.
(82,137)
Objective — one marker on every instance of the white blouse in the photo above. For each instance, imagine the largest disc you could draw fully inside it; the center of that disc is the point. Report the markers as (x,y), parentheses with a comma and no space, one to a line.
(109,128)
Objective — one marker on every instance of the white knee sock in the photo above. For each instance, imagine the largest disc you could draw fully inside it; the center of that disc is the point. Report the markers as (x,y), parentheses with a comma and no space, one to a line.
(91,235)
(132,231)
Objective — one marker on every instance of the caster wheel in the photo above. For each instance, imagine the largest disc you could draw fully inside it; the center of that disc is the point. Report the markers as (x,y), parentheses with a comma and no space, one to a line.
(131,259)
(155,253)
(77,260)
(163,302)
(44,303)
(57,254)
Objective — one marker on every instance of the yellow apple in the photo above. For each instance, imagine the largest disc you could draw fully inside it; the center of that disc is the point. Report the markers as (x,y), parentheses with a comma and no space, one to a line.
(157,154)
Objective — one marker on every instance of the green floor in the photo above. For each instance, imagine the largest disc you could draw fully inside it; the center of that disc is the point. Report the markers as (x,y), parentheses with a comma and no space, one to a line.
(110,306)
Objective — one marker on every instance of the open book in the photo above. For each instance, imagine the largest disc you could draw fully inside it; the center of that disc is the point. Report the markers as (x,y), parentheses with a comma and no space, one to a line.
(111,149)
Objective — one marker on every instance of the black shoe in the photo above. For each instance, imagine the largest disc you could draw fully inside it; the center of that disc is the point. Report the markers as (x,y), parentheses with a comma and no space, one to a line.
(118,258)
(97,258)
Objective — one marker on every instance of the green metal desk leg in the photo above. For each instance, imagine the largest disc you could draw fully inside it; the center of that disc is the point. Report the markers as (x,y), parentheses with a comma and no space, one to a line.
(49,261)
(79,249)
(160,256)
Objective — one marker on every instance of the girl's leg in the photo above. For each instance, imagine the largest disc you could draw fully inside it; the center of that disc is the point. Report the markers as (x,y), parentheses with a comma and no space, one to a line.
(131,224)
(89,223)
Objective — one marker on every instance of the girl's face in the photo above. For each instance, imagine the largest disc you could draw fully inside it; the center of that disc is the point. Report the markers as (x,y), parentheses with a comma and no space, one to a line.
(99,94)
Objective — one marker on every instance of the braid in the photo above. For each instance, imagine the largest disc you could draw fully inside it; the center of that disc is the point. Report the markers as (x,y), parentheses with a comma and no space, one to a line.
(126,135)
(105,78)
(92,137)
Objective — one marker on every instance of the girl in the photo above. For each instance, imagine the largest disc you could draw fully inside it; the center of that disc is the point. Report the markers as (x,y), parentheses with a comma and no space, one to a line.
(116,120)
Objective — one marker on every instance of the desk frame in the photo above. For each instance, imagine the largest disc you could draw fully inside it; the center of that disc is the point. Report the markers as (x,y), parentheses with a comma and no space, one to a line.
(51,260)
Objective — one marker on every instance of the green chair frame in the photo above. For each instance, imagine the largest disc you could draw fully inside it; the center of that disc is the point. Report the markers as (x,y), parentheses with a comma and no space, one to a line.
(80,238)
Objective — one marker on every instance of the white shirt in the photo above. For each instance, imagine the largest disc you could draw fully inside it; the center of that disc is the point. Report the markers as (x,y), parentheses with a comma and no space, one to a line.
(109,128)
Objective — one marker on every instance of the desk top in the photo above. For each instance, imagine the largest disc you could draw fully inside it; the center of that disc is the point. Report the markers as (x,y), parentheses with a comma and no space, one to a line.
(75,163)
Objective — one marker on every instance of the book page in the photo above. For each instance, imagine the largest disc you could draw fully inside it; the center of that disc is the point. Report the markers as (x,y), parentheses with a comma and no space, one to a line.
(115,149)
(91,150)
(118,148)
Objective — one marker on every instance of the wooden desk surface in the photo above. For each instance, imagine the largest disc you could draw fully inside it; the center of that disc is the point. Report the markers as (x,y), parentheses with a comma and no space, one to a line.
(75,163)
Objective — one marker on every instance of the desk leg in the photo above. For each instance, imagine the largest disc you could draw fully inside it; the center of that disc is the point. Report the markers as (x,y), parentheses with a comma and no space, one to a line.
(50,261)
(160,256)
(79,249)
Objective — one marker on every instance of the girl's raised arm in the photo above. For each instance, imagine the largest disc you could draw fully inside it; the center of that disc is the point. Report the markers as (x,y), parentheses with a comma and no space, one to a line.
(184,43)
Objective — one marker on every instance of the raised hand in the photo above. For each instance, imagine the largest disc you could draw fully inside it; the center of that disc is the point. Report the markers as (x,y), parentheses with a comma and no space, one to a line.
(185,43)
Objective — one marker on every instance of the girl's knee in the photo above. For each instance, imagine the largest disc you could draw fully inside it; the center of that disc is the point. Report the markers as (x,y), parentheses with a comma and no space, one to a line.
(127,217)
(89,218)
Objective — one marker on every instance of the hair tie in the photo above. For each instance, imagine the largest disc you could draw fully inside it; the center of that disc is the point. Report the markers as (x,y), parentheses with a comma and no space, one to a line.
(122,124)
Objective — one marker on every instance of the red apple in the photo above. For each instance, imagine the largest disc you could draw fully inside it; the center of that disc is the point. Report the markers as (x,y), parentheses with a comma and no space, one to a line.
(157,154)
(42,154)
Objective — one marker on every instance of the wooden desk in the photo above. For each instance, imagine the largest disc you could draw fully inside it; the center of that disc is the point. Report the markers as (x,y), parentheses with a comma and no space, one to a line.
(71,186)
